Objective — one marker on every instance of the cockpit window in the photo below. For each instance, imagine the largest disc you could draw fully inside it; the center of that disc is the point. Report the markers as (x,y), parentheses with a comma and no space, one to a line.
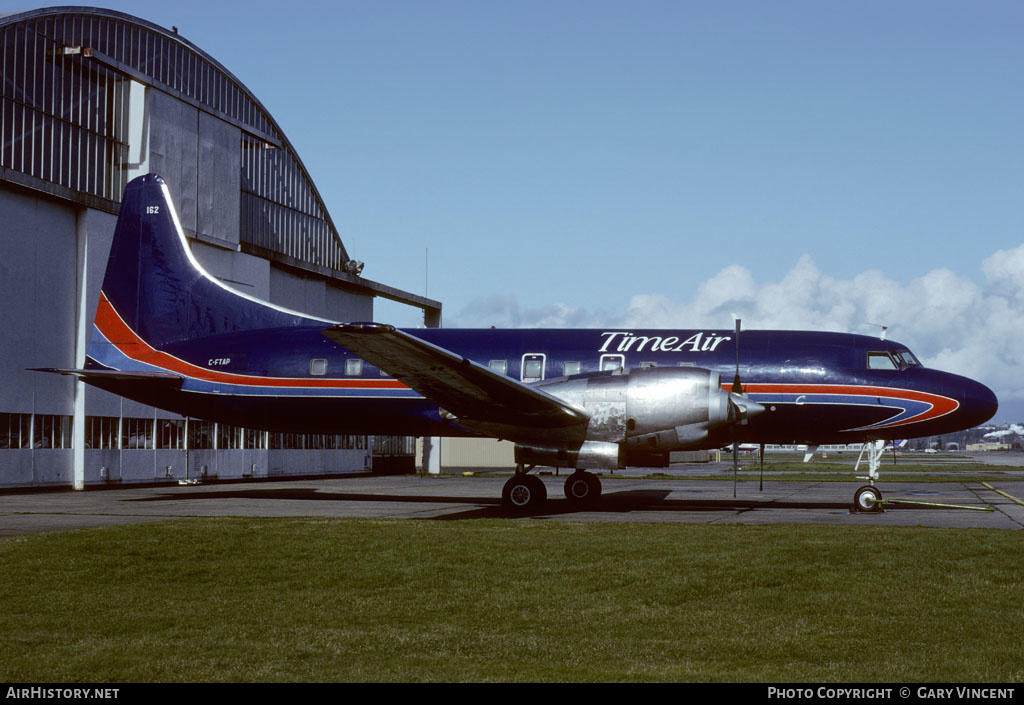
(881,361)
(907,359)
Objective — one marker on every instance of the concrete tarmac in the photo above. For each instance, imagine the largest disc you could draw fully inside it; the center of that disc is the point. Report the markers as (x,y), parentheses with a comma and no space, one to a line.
(451,497)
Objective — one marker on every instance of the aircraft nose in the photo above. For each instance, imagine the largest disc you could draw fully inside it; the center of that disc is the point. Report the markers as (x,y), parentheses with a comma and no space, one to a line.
(979,403)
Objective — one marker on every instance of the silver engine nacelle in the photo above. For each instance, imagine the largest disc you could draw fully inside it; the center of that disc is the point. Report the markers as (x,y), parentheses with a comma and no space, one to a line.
(595,455)
(654,409)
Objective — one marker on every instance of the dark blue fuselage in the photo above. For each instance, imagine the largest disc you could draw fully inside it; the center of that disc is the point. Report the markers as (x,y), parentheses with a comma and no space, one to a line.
(170,335)
(817,387)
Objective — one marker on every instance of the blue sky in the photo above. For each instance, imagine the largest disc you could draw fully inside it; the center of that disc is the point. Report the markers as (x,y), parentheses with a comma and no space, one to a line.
(803,163)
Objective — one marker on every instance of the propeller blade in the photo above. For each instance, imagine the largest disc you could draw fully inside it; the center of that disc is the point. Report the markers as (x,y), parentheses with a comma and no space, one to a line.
(741,408)
(737,388)
(737,410)
(735,461)
(761,489)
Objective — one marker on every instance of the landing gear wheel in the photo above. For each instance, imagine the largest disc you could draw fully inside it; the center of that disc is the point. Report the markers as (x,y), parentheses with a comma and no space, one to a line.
(867,499)
(582,487)
(524,493)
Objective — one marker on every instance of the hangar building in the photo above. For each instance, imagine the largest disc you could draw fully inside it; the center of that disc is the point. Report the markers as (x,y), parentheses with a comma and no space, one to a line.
(90,99)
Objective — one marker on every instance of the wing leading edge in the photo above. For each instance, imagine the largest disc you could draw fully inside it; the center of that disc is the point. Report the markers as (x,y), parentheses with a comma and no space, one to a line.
(472,394)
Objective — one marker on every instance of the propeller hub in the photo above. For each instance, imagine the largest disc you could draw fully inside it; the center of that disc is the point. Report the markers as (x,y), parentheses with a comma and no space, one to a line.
(742,408)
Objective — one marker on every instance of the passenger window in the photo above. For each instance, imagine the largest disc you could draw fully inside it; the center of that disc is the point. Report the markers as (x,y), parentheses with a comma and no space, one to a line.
(499,366)
(353,367)
(647,365)
(880,361)
(686,364)
(318,367)
(613,363)
(533,367)
(570,368)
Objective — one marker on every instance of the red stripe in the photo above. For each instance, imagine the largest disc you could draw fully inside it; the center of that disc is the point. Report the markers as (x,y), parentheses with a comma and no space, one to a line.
(118,332)
(114,329)
(940,405)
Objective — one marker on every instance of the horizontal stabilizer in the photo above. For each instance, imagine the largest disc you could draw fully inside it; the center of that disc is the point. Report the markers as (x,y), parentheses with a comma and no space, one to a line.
(164,378)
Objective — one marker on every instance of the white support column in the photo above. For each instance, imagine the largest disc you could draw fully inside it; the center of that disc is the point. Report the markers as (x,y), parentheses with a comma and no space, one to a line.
(83,327)
(432,455)
(431,444)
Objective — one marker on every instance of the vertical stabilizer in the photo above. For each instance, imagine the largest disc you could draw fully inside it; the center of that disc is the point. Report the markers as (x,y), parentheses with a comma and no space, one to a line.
(156,287)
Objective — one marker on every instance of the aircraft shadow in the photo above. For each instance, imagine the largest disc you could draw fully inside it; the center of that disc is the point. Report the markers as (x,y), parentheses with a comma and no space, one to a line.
(314,495)
(610,502)
(651,500)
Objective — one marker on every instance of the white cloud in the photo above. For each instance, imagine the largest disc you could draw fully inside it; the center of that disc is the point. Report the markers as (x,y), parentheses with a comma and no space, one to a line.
(1013,430)
(949,321)
(1004,272)
(504,312)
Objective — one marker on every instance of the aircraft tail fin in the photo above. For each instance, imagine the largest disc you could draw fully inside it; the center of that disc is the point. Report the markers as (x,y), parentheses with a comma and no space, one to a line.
(156,289)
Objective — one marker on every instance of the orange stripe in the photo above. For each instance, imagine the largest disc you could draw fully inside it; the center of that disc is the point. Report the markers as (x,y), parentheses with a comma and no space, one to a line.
(912,394)
(114,329)
(940,405)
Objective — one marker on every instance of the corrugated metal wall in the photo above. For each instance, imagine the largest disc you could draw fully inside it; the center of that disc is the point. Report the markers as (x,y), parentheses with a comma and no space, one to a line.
(91,98)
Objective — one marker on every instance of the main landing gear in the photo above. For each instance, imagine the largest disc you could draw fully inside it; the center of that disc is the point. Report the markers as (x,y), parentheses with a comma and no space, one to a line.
(582,487)
(524,492)
(527,493)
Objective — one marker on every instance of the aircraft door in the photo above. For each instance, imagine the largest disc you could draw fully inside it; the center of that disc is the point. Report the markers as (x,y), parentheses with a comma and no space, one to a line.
(613,363)
(532,369)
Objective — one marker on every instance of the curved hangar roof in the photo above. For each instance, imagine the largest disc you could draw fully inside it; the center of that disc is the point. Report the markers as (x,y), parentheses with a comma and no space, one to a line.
(67,130)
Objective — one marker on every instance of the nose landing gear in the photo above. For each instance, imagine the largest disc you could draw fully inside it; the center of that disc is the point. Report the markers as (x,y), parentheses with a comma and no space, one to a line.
(869,498)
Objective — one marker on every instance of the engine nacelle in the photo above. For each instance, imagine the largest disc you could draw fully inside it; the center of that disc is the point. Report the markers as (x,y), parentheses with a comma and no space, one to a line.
(594,455)
(654,409)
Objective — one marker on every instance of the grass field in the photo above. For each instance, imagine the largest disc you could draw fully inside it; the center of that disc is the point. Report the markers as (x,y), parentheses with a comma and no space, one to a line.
(485,600)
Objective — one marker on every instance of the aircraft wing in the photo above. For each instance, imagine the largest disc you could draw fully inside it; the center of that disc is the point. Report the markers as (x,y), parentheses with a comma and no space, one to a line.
(465,389)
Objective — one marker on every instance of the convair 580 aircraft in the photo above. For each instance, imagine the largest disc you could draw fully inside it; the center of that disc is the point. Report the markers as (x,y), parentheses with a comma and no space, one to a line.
(170,335)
